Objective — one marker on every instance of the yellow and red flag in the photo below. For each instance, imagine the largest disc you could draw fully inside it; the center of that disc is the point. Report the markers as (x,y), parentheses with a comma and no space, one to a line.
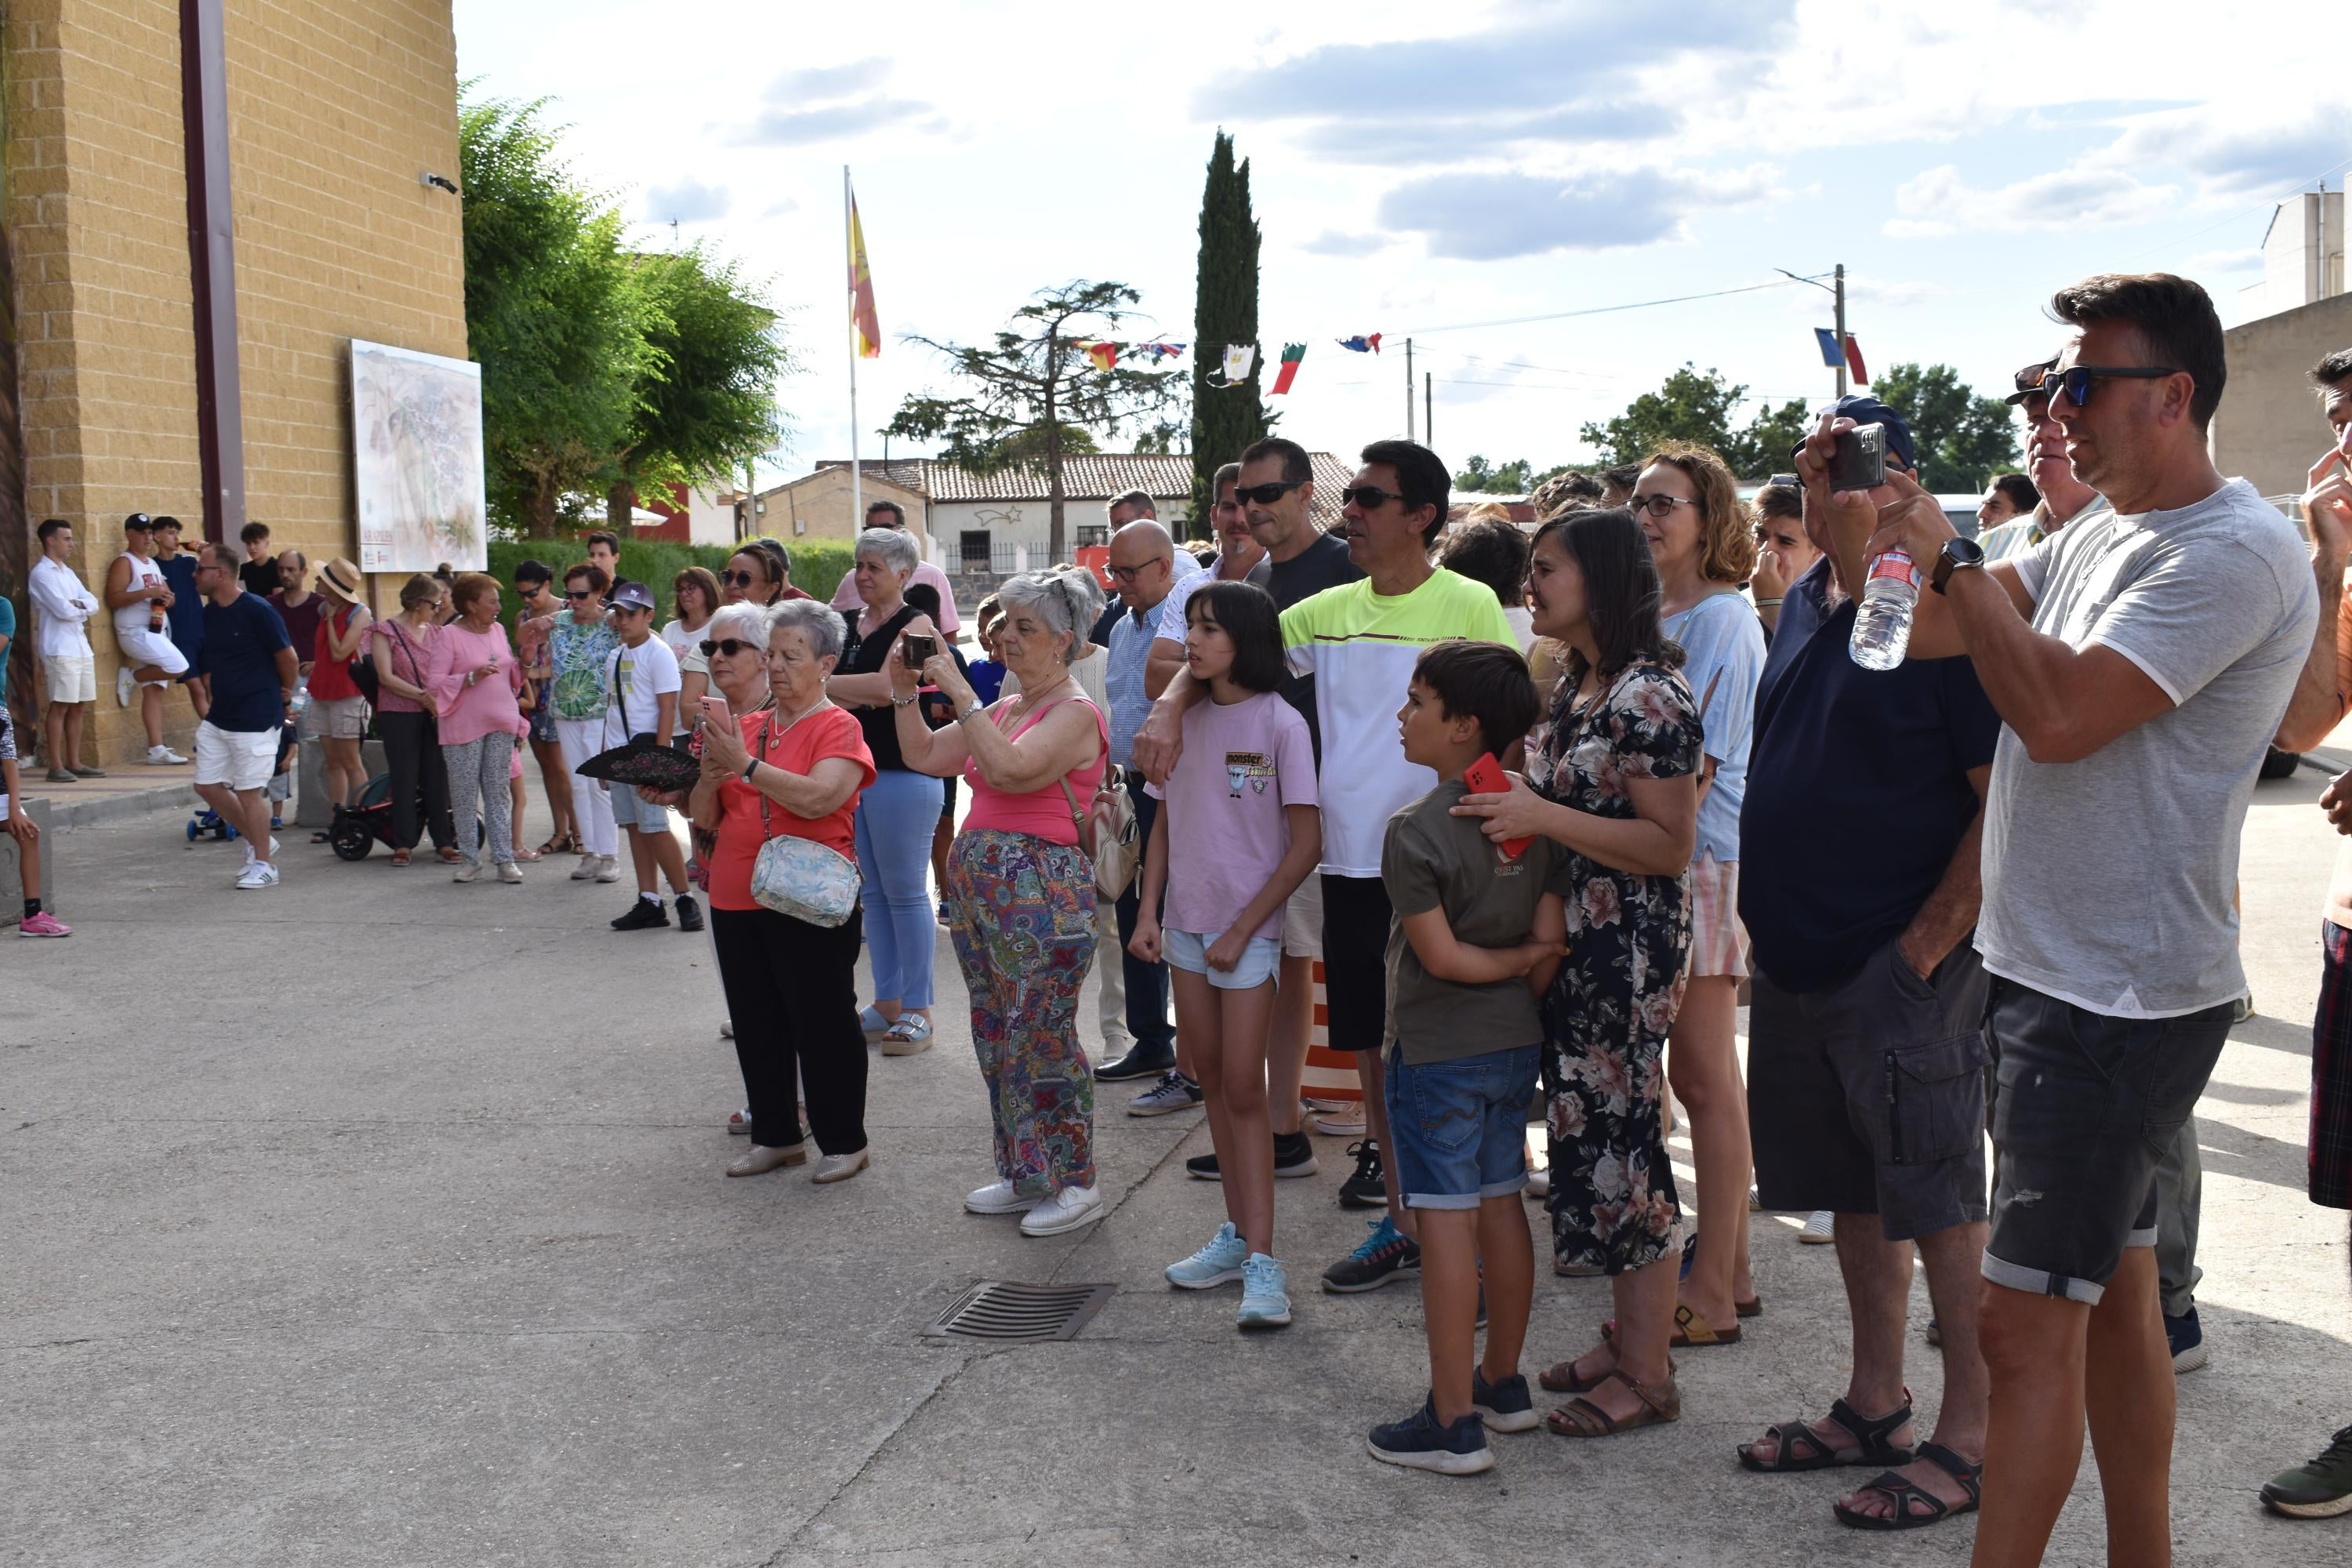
(1105,355)
(861,288)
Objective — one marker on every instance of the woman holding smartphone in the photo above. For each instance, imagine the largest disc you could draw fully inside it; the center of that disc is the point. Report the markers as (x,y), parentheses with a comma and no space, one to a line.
(899,811)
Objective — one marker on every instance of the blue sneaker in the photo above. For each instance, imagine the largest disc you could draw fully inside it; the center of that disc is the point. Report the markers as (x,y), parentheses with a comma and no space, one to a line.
(1422,1442)
(1265,1294)
(1218,1263)
(1505,1406)
(1387,1255)
(2186,1340)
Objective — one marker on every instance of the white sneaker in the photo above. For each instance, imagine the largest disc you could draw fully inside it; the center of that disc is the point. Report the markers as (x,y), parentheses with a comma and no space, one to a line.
(509,872)
(123,687)
(608,869)
(1066,1210)
(260,874)
(466,871)
(1349,1123)
(247,845)
(998,1197)
(1265,1295)
(585,869)
(1821,1229)
(163,757)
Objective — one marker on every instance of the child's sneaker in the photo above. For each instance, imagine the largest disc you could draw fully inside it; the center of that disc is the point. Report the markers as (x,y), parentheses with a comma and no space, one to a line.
(44,924)
(1505,1406)
(1265,1294)
(1387,1255)
(1216,1264)
(1422,1442)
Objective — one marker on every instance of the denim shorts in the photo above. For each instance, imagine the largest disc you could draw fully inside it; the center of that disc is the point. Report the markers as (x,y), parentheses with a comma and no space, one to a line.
(1189,950)
(1460,1127)
(2084,1107)
(628,811)
(543,720)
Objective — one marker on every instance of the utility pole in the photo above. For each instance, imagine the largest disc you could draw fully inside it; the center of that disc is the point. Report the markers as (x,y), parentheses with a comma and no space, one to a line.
(1840,292)
(1428,411)
(1408,389)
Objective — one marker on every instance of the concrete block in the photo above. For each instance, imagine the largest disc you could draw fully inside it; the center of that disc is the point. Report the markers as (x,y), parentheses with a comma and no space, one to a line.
(12,865)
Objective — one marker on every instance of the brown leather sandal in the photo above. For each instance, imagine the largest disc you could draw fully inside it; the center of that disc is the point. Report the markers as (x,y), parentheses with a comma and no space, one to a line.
(1561,1377)
(1691,1332)
(1580,1417)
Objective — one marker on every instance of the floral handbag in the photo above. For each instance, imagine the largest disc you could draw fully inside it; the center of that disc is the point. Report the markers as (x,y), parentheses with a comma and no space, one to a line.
(799,877)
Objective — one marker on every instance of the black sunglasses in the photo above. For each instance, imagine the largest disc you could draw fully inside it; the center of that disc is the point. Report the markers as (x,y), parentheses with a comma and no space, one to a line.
(579,593)
(731,646)
(1265,494)
(2077,381)
(1369,496)
(738,579)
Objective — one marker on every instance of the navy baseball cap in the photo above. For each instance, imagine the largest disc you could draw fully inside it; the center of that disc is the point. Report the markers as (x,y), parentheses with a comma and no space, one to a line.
(1864,409)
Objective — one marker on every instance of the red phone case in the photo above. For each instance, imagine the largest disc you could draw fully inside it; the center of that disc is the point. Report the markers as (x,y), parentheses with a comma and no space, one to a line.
(1486,776)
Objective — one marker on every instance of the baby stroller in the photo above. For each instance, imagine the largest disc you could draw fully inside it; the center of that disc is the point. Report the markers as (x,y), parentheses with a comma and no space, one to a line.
(359,827)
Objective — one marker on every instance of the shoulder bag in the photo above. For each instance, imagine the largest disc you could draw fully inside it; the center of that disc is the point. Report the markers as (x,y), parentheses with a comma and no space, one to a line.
(799,877)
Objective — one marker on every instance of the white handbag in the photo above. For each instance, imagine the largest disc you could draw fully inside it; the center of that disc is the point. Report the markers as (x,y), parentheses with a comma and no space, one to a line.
(799,877)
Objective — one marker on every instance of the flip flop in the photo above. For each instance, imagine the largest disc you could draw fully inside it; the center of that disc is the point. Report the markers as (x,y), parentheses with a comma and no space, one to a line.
(1902,1494)
(1870,1435)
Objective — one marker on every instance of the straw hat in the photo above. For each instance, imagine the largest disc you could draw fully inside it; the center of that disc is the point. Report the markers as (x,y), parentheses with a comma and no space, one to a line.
(339,579)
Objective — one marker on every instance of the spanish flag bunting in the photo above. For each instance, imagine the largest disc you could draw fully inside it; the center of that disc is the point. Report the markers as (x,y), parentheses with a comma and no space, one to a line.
(861,288)
(1105,355)
(1291,355)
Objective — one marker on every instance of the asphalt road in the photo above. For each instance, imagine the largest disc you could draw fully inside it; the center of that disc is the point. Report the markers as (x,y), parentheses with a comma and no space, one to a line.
(379,1220)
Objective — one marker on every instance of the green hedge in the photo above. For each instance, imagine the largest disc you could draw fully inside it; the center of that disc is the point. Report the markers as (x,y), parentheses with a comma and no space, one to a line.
(818,566)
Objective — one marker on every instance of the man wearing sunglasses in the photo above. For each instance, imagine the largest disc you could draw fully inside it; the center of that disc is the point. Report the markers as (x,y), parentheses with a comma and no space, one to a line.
(1240,559)
(2064,498)
(890,514)
(2140,662)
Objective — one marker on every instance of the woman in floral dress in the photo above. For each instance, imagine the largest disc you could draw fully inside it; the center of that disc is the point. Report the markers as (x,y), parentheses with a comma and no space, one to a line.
(1615,779)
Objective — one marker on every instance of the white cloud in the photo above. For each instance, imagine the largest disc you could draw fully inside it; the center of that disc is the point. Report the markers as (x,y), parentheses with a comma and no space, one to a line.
(2249,260)
(1485,217)
(1339,242)
(2073,198)
(686,201)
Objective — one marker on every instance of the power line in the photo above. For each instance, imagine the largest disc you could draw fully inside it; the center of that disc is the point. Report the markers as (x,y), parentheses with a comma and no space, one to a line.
(1601,309)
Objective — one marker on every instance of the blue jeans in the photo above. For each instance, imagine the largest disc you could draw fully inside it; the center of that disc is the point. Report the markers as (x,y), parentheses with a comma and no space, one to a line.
(896,816)
(1147,984)
(1460,1127)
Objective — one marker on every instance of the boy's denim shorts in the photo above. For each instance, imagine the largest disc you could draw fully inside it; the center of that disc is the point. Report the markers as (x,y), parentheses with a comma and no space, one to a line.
(629,811)
(1460,1127)
(2086,1106)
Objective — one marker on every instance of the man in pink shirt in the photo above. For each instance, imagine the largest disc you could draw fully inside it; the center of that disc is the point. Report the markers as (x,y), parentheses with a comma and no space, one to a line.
(890,514)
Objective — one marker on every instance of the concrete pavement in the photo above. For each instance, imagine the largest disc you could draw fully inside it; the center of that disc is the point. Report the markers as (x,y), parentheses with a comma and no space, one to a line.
(383,1223)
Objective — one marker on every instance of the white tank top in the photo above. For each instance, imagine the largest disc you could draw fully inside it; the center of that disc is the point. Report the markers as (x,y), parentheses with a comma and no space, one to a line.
(134,617)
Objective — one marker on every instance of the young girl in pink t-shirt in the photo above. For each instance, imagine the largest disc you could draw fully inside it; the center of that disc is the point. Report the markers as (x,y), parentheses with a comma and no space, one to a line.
(1242,804)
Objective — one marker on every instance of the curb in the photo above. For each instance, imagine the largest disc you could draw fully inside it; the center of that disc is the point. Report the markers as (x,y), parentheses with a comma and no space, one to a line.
(67,815)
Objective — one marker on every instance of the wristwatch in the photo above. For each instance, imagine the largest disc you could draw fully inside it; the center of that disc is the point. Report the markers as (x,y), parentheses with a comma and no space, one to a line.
(963,713)
(1958,555)
(749,764)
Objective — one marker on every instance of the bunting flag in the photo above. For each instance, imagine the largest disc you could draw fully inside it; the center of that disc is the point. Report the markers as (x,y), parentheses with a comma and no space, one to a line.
(1239,358)
(1161,351)
(1105,355)
(861,289)
(1853,355)
(1362,345)
(1854,361)
(1292,354)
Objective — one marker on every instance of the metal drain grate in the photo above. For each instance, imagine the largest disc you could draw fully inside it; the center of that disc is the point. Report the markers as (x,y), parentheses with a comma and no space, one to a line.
(1006,1310)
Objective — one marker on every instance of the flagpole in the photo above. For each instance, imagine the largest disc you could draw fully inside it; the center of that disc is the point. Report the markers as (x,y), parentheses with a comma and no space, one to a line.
(856,477)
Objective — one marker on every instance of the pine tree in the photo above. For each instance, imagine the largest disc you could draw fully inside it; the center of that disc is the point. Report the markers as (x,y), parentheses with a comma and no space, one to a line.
(1225,420)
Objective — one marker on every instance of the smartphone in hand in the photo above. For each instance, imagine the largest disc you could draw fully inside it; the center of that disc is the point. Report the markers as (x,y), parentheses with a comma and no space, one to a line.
(715,712)
(1486,776)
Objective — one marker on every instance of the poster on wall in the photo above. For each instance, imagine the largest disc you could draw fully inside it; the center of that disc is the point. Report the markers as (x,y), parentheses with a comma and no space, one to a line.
(416,453)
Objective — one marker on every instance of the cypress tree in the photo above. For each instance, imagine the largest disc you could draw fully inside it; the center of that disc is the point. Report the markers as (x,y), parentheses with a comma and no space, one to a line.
(1224,311)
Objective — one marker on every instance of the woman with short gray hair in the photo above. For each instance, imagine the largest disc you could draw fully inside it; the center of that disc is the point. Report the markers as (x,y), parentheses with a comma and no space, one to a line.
(1021,888)
(898,813)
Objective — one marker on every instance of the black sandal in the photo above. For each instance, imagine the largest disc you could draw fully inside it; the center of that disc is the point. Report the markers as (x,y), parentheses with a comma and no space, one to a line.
(1871,1435)
(1902,1494)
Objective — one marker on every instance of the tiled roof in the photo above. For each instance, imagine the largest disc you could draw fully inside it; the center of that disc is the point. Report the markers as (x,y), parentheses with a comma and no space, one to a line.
(1098,477)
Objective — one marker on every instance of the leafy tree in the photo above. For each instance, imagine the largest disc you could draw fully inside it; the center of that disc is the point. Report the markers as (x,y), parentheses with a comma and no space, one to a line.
(706,397)
(1027,394)
(1695,406)
(1962,440)
(554,312)
(1224,311)
(1512,478)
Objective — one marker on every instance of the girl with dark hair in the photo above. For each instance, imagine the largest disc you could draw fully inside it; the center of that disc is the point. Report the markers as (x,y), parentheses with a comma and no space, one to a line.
(1615,781)
(1244,784)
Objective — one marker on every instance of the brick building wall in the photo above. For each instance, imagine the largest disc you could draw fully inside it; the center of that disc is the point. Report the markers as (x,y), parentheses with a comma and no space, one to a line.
(334,109)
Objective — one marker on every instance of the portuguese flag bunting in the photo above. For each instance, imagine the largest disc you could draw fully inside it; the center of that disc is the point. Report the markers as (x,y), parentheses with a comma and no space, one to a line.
(1291,354)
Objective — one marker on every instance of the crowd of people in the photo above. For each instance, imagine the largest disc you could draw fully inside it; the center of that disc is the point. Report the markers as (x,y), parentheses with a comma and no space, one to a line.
(1545,808)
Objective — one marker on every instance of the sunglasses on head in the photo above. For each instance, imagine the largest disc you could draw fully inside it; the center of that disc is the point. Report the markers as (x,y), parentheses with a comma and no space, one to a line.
(2077,381)
(1369,496)
(729,646)
(739,579)
(1265,494)
(1659,505)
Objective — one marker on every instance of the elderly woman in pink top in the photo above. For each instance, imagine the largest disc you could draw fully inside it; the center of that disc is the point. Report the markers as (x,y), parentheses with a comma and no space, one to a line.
(1020,888)
(476,682)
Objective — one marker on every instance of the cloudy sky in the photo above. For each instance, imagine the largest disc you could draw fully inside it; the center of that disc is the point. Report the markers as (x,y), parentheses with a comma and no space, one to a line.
(1446,173)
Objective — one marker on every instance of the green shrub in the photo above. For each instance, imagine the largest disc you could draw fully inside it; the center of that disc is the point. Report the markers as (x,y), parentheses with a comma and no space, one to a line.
(818,566)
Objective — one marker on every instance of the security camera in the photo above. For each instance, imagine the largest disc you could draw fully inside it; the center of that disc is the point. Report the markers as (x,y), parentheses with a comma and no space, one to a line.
(443,181)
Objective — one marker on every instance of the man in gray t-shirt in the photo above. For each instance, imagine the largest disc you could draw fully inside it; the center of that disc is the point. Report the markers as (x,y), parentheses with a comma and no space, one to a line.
(2140,663)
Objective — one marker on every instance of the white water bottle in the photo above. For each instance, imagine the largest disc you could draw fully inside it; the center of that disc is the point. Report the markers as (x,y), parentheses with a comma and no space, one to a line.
(1882,623)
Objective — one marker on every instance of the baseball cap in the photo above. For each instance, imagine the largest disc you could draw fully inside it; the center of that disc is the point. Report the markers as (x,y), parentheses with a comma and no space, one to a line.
(1864,409)
(631,596)
(137,522)
(2029,380)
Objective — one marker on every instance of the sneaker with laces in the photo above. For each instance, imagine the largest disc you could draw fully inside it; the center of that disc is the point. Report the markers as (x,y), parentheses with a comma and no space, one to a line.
(1387,1255)
(2320,1489)
(1346,1122)
(44,924)
(645,914)
(1505,1406)
(1265,1294)
(1066,1210)
(466,871)
(163,757)
(1173,1092)
(585,869)
(1422,1442)
(246,844)
(260,874)
(608,869)
(998,1197)
(690,914)
(1293,1157)
(1365,1189)
(2186,1340)
(1218,1263)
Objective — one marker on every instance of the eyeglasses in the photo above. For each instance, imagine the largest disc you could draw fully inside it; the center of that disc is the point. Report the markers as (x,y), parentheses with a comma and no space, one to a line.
(1369,496)
(2077,381)
(1130,573)
(1660,505)
(738,579)
(1265,494)
(729,646)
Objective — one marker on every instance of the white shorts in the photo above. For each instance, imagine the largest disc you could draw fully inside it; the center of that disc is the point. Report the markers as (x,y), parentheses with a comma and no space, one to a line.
(240,760)
(1719,941)
(70,677)
(1302,919)
(145,647)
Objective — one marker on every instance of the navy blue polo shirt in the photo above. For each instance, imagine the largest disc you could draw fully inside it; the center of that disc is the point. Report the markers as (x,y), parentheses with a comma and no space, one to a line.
(241,642)
(1857,792)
